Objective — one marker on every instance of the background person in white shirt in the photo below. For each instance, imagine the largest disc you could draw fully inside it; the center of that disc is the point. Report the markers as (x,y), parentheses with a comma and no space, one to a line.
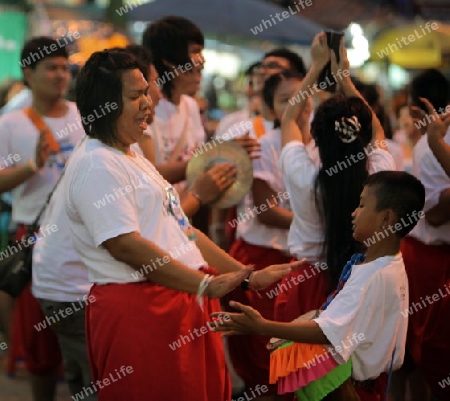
(31,179)
(176,44)
(262,227)
(427,249)
(373,297)
(143,256)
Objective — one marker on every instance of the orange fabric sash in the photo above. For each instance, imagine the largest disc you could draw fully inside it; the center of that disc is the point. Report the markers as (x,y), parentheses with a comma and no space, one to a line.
(43,129)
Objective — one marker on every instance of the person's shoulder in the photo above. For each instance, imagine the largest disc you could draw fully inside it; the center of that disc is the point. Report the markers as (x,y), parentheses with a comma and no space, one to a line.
(12,117)
(380,270)
(72,106)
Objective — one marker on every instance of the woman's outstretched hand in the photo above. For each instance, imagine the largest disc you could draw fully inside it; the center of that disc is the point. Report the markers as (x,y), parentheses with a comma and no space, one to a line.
(271,274)
(224,283)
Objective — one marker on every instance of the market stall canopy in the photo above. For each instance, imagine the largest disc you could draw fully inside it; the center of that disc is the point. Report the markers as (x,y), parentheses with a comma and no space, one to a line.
(247,18)
(414,46)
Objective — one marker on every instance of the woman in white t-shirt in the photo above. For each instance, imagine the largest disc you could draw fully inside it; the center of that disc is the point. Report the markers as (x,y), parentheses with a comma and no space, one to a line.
(128,228)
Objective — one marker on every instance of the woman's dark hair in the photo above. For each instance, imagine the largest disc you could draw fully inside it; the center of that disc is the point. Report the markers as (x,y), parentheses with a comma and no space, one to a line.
(99,83)
(401,192)
(142,54)
(295,61)
(168,40)
(342,176)
(270,86)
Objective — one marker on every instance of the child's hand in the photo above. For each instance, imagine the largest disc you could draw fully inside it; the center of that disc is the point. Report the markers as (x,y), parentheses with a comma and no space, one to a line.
(320,54)
(439,124)
(247,322)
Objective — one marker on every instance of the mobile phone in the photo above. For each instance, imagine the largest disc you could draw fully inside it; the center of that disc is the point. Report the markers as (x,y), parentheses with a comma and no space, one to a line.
(326,78)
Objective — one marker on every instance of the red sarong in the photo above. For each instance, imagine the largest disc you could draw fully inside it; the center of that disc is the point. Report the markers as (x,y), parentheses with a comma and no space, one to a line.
(40,349)
(428,341)
(248,353)
(161,335)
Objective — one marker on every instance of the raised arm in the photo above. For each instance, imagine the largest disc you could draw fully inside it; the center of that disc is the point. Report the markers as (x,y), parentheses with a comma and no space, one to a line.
(290,131)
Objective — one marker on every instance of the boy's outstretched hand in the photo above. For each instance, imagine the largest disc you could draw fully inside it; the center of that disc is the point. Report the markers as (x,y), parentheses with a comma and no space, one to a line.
(247,322)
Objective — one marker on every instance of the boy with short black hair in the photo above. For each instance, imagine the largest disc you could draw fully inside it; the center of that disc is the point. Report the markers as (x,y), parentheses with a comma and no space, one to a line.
(360,331)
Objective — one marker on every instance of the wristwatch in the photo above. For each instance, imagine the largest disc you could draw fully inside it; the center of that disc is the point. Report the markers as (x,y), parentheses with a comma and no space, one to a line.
(245,285)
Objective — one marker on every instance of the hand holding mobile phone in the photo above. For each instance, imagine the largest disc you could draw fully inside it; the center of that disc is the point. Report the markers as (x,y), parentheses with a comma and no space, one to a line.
(333,42)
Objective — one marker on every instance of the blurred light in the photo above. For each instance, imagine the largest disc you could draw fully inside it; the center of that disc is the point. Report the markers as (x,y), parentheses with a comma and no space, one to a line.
(139,26)
(356,30)
(398,77)
(360,51)
(357,57)
(360,42)
(224,64)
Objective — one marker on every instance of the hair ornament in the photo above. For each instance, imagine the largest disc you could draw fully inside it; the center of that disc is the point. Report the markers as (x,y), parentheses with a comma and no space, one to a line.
(347,128)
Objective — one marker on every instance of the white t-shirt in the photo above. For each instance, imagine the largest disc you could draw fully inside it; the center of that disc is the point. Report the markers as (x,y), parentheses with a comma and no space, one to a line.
(109,194)
(58,273)
(232,124)
(266,168)
(368,318)
(397,154)
(19,102)
(239,127)
(168,125)
(18,137)
(299,171)
(429,171)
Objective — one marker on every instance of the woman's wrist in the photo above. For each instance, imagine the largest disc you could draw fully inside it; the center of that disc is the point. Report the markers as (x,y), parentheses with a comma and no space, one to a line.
(197,196)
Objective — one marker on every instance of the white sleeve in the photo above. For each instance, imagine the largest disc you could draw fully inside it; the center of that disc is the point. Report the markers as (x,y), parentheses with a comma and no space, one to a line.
(101,198)
(265,167)
(296,165)
(434,178)
(224,124)
(380,160)
(5,144)
(353,313)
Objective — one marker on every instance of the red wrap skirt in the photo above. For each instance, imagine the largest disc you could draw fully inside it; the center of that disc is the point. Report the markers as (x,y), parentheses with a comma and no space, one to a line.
(428,341)
(160,337)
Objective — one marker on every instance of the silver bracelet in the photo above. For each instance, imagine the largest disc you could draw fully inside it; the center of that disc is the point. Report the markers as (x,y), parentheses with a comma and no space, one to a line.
(202,288)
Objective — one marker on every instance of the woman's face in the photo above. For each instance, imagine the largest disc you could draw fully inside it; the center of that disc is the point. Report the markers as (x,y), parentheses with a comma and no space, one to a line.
(136,107)
(405,120)
(189,76)
(283,93)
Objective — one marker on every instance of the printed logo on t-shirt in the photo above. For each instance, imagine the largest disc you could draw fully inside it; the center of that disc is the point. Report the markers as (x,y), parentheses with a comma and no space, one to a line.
(173,206)
(59,159)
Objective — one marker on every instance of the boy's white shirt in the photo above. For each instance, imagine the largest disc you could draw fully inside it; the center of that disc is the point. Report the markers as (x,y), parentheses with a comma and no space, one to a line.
(365,321)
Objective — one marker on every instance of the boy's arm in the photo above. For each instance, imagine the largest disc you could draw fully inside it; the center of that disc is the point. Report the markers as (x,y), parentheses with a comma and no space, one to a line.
(251,321)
